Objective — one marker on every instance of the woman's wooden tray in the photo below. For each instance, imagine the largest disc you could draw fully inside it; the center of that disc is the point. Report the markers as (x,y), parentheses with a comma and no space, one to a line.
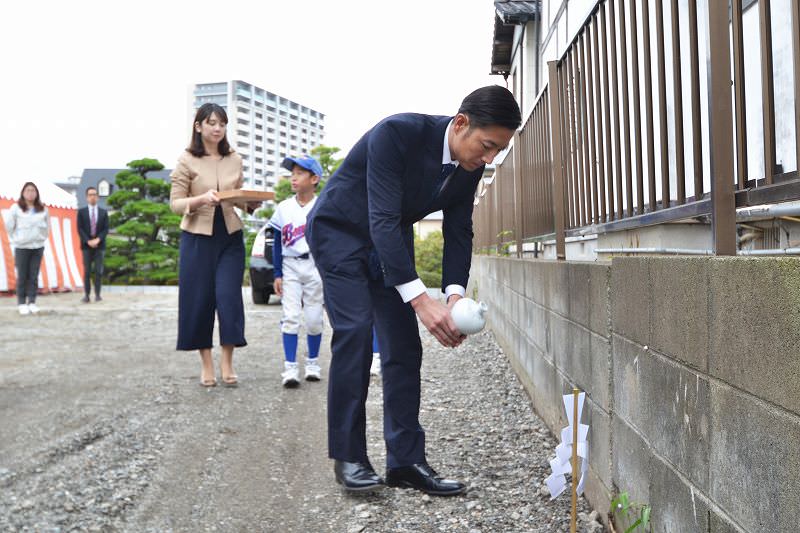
(245,195)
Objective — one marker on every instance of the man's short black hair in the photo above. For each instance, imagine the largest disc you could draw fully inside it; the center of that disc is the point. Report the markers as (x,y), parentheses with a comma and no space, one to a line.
(91,188)
(491,106)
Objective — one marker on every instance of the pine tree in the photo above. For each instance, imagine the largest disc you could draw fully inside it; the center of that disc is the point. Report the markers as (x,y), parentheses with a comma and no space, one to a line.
(143,247)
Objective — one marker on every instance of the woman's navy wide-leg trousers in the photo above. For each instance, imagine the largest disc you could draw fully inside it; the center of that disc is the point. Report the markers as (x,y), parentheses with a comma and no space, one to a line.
(210,280)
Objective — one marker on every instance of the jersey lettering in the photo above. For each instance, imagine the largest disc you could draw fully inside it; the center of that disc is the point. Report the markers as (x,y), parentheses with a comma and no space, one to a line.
(291,234)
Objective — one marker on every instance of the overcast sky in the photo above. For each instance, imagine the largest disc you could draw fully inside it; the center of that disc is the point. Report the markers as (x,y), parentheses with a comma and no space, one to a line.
(94,84)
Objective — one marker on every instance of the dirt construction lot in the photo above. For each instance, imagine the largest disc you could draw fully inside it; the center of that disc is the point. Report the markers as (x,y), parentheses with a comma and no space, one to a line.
(103,427)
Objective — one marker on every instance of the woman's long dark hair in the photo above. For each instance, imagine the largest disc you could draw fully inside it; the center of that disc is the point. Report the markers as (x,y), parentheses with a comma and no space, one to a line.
(196,148)
(37,203)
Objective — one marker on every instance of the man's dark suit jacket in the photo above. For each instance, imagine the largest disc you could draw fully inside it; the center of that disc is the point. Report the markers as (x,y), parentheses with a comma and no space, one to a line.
(85,227)
(385,185)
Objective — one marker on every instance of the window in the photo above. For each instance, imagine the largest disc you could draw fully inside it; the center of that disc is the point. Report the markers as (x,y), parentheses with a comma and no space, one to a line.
(211,87)
(259,138)
(259,127)
(270,119)
(243,122)
(283,123)
(293,127)
(103,188)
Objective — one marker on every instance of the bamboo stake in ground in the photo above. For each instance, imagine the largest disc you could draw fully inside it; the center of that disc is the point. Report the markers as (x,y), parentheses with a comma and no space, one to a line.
(573,527)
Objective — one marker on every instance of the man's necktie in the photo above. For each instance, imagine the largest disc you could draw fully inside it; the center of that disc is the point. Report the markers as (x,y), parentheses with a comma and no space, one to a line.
(92,222)
(447,169)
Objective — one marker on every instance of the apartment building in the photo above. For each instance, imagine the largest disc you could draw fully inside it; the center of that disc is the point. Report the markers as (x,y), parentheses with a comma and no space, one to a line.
(263,127)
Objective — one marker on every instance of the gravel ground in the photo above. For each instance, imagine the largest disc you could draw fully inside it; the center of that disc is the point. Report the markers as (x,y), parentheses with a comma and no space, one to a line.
(104,428)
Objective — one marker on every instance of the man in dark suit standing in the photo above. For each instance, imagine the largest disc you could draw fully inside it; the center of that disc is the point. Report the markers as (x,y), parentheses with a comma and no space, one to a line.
(361,236)
(92,229)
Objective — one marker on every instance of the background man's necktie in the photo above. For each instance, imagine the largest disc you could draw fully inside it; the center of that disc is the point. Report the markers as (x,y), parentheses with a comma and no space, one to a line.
(93,222)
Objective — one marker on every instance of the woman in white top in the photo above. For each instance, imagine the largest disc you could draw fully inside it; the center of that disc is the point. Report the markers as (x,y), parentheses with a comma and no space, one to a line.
(28,224)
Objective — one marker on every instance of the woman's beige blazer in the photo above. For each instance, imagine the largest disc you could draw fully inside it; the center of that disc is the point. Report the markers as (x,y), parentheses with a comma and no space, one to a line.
(197,175)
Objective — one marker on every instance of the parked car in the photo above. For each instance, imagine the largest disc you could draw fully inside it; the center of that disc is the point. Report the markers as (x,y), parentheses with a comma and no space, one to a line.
(262,275)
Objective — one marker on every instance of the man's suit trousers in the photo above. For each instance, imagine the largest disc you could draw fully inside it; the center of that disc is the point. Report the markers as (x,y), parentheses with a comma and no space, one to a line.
(93,257)
(355,298)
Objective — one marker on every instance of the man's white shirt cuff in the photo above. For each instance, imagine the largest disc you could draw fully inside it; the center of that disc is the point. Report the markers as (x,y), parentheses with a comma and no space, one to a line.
(412,289)
(454,289)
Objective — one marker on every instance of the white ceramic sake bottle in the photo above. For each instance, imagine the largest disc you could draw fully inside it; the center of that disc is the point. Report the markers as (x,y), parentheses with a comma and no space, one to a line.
(469,315)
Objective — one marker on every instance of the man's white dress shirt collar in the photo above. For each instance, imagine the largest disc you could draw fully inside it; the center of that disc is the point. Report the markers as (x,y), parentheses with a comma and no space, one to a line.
(446,157)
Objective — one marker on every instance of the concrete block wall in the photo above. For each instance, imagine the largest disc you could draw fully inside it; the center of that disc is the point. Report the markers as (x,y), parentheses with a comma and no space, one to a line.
(552,320)
(692,370)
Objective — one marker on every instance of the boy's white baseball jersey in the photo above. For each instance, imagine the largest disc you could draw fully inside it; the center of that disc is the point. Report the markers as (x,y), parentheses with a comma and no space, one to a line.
(302,286)
(290,218)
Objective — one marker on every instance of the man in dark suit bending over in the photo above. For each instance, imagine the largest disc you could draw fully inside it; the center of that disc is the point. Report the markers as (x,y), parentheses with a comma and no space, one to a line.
(92,229)
(361,237)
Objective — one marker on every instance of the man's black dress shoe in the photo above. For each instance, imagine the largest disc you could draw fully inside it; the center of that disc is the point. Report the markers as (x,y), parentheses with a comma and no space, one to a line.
(423,477)
(357,477)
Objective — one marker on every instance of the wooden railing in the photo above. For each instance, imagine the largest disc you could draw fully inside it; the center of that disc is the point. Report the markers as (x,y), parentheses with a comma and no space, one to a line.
(629,141)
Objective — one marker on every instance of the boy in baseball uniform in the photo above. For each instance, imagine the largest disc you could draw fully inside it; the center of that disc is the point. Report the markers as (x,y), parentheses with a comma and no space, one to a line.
(297,281)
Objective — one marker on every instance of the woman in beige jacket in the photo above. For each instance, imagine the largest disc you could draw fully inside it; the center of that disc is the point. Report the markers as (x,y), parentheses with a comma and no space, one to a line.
(212,245)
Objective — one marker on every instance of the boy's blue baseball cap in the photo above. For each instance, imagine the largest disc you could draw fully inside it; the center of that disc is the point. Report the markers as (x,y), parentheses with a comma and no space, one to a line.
(304,161)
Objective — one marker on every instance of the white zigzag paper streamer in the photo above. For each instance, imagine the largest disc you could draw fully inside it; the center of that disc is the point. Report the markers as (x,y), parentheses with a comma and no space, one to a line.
(561,464)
